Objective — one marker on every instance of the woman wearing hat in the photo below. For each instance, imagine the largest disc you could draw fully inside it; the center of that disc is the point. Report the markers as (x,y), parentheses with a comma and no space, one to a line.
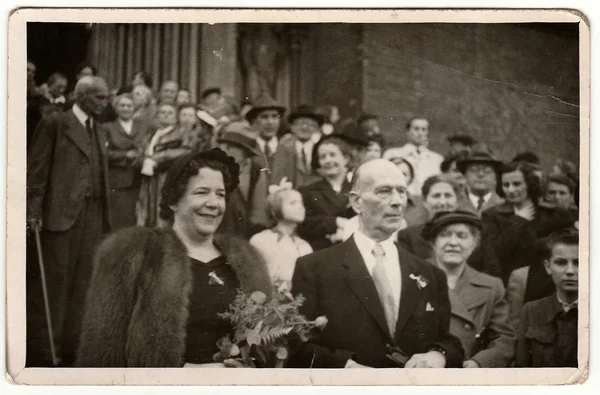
(479,311)
(245,214)
(155,293)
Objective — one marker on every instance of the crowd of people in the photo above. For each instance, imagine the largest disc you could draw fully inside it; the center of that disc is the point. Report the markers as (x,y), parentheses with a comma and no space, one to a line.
(153,210)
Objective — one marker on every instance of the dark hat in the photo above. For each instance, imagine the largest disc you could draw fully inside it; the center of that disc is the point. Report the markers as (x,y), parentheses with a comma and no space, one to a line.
(481,155)
(262,103)
(365,117)
(238,139)
(214,154)
(306,111)
(445,218)
(209,91)
(461,139)
(352,132)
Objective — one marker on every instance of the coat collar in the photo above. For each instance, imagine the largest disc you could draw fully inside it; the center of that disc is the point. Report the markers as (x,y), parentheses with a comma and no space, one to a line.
(471,291)
(77,133)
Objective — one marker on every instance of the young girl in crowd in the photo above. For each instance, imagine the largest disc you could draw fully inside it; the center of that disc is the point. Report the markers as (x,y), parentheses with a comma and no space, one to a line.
(280,246)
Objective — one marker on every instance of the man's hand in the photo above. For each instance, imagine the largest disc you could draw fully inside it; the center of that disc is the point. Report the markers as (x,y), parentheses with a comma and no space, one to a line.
(431,359)
(33,223)
(355,365)
(470,364)
(132,154)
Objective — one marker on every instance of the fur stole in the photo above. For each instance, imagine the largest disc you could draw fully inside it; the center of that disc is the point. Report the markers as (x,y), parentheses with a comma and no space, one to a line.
(137,303)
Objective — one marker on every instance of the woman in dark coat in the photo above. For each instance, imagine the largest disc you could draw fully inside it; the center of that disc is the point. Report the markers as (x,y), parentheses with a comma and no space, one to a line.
(326,201)
(514,228)
(155,293)
(125,138)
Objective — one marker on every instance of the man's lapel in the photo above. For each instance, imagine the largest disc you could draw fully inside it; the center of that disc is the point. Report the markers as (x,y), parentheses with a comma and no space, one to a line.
(77,133)
(410,293)
(360,281)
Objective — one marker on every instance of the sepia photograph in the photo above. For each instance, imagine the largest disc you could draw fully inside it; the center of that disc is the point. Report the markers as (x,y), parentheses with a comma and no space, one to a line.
(312,191)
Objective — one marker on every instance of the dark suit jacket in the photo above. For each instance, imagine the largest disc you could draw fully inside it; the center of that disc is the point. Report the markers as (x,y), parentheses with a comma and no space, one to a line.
(542,343)
(58,170)
(124,172)
(482,259)
(337,284)
(465,204)
(286,163)
(323,205)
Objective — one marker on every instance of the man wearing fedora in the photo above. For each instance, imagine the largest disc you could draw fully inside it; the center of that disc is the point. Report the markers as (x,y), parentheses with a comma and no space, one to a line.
(293,158)
(481,171)
(460,144)
(245,212)
(265,118)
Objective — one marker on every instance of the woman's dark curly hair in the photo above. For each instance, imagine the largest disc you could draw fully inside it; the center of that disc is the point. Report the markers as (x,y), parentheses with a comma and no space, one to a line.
(533,183)
(189,166)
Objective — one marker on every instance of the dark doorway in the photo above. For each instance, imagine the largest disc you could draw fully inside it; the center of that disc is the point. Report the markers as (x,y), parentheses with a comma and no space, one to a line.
(57,47)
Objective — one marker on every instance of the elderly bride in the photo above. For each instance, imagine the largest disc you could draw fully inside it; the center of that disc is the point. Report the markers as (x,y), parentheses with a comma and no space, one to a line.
(155,293)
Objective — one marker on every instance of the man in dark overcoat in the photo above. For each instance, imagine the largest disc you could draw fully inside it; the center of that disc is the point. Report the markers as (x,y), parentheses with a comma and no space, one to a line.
(67,198)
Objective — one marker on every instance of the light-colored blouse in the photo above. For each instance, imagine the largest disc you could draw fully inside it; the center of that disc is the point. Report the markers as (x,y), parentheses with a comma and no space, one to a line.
(280,252)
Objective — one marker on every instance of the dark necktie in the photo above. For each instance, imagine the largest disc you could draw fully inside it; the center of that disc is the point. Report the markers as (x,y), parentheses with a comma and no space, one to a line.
(304,160)
(480,203)
(268,152)
(88,127)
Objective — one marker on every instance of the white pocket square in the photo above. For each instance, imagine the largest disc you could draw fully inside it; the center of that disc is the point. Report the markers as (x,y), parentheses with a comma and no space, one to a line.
(429,307)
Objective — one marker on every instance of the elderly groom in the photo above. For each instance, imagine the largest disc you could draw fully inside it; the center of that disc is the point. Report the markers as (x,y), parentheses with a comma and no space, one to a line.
(375,295)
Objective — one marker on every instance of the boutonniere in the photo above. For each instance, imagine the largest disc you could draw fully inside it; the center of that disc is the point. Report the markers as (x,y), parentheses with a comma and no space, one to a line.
(214,279)
(421,281)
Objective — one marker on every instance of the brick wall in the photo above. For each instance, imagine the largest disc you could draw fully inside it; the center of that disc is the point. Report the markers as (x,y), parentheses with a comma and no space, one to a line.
(514,87)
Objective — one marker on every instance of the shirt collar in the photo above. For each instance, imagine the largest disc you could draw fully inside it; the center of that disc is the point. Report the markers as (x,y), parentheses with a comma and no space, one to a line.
(262,142)
(365,245)
(475,198)
(413,148)
(566,306)
(81,115)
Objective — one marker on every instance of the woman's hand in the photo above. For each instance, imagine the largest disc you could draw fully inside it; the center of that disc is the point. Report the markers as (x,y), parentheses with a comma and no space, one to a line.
(526,211)
(132,154)
(340,222)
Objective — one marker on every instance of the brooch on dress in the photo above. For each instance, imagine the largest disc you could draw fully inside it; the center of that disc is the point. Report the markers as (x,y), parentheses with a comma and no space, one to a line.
(214,279)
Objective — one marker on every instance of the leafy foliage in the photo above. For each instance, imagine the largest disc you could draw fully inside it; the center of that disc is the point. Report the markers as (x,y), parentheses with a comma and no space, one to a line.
(263,329)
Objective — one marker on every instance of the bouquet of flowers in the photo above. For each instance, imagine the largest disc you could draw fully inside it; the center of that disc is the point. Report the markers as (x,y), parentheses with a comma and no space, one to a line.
(263,329)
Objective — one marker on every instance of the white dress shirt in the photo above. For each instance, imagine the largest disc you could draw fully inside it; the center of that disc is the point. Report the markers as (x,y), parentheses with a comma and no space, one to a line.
(475,198)
(273,143)
(392,261)
(426,163)
(307,147)
(126,125)
(81,115)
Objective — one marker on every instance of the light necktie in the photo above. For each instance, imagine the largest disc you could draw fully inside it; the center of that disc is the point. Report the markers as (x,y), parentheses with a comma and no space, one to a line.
(384,288)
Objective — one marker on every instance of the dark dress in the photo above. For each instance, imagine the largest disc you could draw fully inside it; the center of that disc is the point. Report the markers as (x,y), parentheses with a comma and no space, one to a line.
(515,240)
(208,298)
(323,205)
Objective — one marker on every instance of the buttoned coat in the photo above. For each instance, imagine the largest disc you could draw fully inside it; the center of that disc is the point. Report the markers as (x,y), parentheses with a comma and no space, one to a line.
(58,170)
(480,319)
(337,284)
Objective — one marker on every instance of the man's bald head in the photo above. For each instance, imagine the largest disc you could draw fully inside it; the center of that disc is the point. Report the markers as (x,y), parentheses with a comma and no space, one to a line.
(367,171)
(92,94)
(378,197)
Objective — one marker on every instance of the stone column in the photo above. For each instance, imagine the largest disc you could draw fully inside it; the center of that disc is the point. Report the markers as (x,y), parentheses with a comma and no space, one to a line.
(218,57)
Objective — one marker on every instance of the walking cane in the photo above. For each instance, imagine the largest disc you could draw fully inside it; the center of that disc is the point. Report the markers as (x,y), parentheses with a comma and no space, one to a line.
(45,290)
